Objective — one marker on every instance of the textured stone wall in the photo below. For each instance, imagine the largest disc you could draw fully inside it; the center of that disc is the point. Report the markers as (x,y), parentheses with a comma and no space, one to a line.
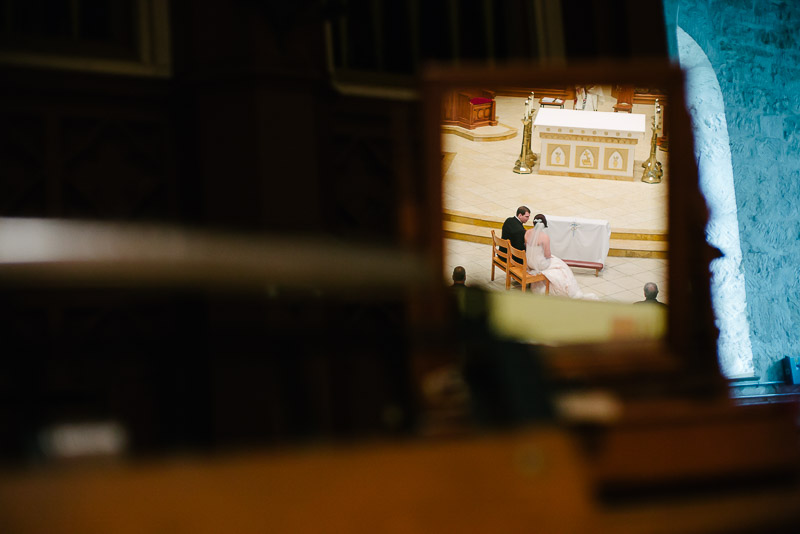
(712,148)
(754,48)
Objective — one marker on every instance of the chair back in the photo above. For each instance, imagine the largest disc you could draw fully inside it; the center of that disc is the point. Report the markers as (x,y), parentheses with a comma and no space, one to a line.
(498,244)
(516,255)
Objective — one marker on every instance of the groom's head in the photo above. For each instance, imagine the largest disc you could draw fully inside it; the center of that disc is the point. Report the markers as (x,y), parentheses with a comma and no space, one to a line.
(523,214)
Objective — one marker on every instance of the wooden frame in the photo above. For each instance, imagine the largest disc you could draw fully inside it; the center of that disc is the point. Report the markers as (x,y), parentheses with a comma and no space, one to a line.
(153,43)
(691,334)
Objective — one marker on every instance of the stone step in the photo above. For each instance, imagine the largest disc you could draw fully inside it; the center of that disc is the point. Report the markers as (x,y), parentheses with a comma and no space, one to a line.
(625,248)
(636,248)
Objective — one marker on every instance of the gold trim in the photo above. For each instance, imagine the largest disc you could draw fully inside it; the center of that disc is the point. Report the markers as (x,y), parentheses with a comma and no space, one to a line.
(612,252)
(567,155)
(650,235)
(590,138)
(608,152)
(471,221)
(622,253)
(487,221)
(587,175)
(450,234)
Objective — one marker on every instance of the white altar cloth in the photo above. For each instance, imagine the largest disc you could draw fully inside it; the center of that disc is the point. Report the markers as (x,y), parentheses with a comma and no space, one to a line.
(576,238)
(606,121)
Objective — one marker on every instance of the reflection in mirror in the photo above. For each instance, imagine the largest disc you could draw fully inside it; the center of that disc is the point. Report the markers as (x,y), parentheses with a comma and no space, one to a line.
(592,161)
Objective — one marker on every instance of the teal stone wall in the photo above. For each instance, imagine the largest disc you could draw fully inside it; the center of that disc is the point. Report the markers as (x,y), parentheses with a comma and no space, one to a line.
(754,49)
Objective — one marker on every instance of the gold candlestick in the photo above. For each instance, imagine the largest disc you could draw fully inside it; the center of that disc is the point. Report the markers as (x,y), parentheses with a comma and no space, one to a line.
(652,167)
(527,159)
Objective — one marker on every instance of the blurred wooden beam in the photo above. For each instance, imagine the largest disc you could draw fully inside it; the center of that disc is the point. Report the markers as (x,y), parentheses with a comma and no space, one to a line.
(74,253)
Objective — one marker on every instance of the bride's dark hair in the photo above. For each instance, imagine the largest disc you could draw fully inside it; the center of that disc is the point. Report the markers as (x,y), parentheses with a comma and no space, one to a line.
(541,218)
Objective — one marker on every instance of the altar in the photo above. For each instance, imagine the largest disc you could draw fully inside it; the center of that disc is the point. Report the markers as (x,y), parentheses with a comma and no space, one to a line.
(592,144)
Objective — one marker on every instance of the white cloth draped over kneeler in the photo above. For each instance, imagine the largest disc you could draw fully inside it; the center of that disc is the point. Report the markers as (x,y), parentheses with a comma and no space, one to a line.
(576,238)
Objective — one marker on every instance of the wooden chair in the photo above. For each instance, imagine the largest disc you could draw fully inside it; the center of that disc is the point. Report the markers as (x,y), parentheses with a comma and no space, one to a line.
(500,258)
(519,270)
(624,96)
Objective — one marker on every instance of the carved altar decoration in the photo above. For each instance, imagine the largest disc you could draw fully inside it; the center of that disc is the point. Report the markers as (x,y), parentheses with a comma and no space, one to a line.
(527,159)
(592,145)
(469,108)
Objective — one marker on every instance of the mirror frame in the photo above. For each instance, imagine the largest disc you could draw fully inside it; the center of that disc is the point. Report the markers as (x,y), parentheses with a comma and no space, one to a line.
(689,348)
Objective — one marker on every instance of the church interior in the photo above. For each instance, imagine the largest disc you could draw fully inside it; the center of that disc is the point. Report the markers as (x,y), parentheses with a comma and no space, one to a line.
(228,232)
(480,188)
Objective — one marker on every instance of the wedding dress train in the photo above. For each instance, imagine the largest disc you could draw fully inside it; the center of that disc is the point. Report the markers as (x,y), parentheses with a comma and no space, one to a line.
(562,279)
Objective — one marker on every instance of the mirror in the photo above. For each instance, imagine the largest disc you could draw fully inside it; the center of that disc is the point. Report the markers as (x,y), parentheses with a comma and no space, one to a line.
(592,158)
(588,179)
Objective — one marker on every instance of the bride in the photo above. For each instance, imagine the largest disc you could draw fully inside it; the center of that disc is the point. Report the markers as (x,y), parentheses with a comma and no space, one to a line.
(540,260)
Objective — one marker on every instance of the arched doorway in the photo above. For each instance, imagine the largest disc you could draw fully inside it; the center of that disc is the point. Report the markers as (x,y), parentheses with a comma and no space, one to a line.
(712,151)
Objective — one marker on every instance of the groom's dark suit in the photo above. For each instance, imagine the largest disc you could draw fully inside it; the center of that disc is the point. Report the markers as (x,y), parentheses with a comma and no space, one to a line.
(514,231)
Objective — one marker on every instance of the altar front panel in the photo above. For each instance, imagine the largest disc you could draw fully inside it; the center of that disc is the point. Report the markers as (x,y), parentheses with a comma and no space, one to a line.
(592,144)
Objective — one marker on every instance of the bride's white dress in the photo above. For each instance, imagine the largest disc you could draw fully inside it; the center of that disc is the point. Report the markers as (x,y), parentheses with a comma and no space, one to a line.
(562,280)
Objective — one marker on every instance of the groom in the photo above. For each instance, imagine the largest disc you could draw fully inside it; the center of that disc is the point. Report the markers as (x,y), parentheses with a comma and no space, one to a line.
(513,229)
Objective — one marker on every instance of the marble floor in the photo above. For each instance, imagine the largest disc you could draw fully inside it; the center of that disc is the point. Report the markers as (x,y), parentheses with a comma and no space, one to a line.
(479,180)
(622,279)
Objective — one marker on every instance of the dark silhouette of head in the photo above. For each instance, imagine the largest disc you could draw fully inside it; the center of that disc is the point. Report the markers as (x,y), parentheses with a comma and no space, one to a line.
(650,291)
(540,217)
(459,275)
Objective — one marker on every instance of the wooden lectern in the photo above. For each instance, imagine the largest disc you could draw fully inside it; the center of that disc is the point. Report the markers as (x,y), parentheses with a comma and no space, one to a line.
(470,108)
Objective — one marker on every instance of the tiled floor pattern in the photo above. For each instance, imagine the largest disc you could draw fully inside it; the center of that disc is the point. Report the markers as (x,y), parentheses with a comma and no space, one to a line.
(480,180)
(622,279)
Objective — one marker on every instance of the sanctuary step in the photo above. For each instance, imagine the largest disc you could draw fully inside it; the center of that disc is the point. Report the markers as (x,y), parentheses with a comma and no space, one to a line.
(626,244)
(497,222)
(501,132)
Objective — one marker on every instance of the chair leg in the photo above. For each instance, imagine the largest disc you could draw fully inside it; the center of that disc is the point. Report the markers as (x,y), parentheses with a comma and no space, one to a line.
(493,264)
(546,286)
(524,283)
(508,280)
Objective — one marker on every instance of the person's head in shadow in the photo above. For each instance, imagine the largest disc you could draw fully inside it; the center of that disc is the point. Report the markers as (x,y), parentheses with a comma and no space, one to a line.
(459,276)
(650,291)
(650,294)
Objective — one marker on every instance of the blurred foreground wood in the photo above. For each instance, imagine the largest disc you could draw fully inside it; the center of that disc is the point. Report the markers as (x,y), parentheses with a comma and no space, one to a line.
(535,480)
(528,481)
